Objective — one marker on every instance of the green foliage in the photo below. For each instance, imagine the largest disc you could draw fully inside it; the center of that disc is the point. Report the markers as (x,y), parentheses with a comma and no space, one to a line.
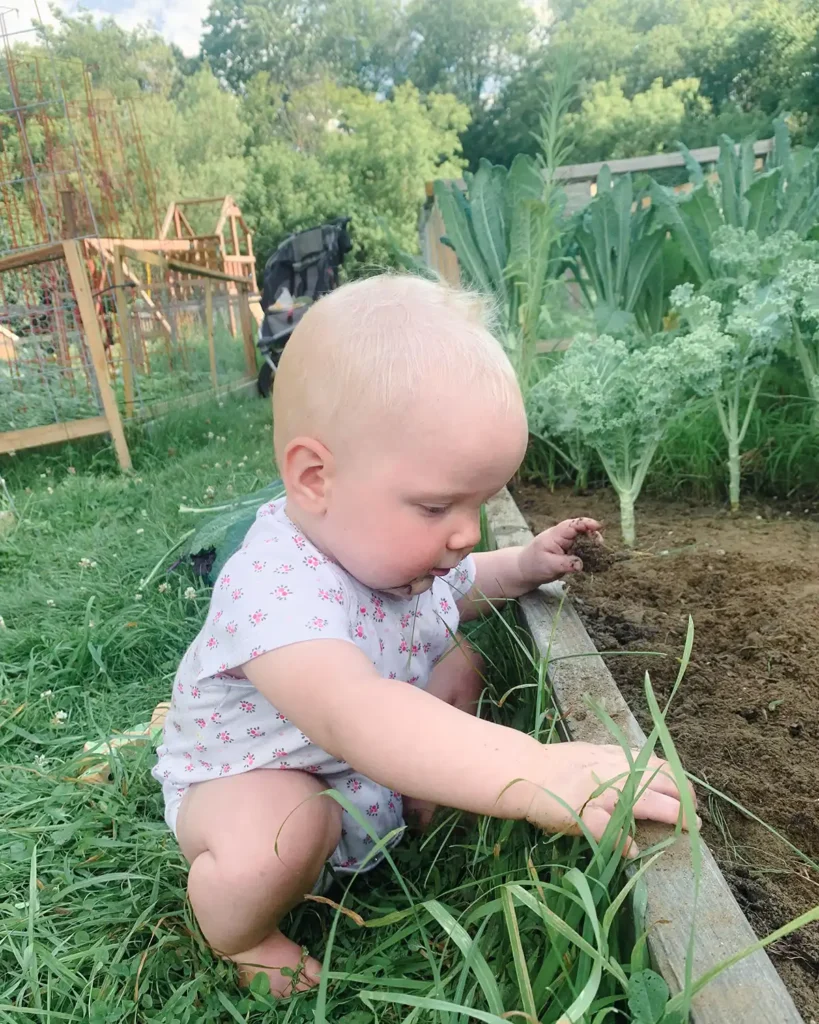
(618,400)
(621,262)
(369,159)
(762,297)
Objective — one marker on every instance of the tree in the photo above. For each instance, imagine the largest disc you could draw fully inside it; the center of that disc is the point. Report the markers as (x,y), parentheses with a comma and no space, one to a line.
(467,46)
(367,158)
(296,42)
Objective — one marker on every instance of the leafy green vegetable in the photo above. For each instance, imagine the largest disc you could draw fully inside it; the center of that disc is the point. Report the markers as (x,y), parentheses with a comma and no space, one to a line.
(618,400)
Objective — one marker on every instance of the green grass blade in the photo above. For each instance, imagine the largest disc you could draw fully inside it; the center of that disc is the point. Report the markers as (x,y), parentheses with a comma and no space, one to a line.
(475,959)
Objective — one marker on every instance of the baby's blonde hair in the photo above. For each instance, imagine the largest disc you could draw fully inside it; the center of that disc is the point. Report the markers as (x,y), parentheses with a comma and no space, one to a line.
(375,347)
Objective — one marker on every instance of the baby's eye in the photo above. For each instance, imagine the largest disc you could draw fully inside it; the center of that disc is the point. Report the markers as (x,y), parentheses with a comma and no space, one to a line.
(435,510)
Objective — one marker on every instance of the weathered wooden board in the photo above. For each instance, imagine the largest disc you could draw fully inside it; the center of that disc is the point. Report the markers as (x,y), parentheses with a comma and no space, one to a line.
(751,992)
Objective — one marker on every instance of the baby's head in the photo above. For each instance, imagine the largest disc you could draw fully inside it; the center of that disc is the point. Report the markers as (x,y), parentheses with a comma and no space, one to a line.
(396,414)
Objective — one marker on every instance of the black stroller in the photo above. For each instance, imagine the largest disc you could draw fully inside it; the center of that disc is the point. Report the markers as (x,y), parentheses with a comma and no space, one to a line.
(303,268)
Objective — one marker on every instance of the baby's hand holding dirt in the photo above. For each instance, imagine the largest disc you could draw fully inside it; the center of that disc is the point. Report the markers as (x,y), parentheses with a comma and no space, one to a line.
(549,555)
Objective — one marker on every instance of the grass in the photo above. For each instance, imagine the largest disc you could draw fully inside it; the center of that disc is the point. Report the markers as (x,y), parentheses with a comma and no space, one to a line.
(476,920)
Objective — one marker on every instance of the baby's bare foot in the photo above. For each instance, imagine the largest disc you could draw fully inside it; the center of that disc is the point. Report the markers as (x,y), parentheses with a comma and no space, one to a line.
(270,956)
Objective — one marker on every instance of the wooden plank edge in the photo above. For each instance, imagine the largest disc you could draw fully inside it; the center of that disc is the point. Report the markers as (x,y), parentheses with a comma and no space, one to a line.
(751,991)
(51,433)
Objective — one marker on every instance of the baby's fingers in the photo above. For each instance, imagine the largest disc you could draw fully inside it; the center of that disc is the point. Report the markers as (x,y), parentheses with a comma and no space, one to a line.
(596,818)
(654,806)
(658,776)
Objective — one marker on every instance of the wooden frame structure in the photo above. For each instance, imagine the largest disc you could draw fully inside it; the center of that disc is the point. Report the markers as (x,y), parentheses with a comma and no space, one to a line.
(110,421)
(751,991)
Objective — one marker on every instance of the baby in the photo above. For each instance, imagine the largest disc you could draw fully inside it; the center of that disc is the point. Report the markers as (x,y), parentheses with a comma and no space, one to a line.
(331,649)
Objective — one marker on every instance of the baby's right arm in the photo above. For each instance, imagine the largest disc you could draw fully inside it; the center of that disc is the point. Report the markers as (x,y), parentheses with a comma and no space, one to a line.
(410,741)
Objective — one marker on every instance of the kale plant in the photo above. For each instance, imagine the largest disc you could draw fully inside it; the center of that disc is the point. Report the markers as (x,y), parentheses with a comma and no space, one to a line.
(619,400)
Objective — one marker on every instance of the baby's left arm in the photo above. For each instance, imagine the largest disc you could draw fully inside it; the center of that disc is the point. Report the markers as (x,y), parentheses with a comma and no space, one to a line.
(510,572)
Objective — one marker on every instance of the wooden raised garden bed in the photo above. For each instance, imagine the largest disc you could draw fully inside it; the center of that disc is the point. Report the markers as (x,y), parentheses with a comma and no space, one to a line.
(751,991)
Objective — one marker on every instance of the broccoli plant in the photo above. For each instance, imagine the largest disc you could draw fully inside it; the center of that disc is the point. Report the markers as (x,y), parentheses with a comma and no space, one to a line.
(619,401)
(749,312)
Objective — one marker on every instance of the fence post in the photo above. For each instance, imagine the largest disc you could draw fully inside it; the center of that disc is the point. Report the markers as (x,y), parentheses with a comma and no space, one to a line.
(209,323)
(82,291)
(124,341)
(246,319)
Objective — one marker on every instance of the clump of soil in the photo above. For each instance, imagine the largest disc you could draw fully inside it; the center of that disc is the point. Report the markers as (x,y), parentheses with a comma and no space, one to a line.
(746,718)
(593,553)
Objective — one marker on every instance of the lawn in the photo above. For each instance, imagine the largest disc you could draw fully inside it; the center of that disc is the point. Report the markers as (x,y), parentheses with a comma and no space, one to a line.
(476,920)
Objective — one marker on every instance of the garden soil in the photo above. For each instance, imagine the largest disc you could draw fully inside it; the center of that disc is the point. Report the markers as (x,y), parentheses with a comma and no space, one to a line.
(746,718)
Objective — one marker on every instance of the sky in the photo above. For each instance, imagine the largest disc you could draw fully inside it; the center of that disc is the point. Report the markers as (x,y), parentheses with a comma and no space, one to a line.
(180,21)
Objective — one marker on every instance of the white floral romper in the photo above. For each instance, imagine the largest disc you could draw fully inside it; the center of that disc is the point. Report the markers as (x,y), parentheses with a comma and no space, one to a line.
(279,589)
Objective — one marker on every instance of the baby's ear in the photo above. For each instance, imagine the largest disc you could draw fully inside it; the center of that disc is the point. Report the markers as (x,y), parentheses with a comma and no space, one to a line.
(307,468)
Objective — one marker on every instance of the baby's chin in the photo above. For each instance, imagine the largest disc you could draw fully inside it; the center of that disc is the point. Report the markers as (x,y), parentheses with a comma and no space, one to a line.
(412,589)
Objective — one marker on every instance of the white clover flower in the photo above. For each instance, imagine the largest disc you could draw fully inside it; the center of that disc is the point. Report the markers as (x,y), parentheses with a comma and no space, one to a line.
(217,465)
(221,405)
(162,588)
(86,563)
(91,624)
(211,435)
(50,602)
(144,513)
(2,622)
(140,530)
(190,594)
(50,490)
(47,694)
(42,476)
(60,716)
(40,762)
(257,452)
(230,488)
(209,492)
(137,597)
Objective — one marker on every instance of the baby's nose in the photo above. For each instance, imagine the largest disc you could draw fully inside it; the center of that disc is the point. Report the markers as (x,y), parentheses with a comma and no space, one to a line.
(466,535)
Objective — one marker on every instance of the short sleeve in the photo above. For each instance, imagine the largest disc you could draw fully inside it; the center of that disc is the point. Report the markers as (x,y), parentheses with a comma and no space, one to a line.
(462,578)
(261,602)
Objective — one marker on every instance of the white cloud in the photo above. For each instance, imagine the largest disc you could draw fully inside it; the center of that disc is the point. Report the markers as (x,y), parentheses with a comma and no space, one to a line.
(179,21)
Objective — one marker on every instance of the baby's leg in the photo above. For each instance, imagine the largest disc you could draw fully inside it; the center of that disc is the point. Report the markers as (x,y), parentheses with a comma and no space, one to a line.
(458,680)
(256,844)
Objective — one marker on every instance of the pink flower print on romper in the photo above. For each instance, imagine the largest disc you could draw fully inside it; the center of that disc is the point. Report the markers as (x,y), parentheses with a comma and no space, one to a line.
(350,862)
(391,805)
(445,605)
(299,541)
(372,810)
(311,561)
(379,614)
(413,680)
(224,736)
(187,756)
(380,645)
(281,717)
(237,593)
(189,766)
(255,732)
(312,768)
(247,706)
(257,617)
(199,747)
(258,566)
(249,760)
(224,582)
(200,722)
(427,648)
(231,628)
(354,785)
(405,620)
(392,675)
(280,752)
(207,766)
(324,595)
(403,647)
(463,576)
(362,611)
(395,795)
(225,769)
(212,643)
(283,765)
(281,593)
(196,693)
(358,631)
(217,616)
(177,726)
(255,652)
(285,567)
(416,648)
(318,623)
